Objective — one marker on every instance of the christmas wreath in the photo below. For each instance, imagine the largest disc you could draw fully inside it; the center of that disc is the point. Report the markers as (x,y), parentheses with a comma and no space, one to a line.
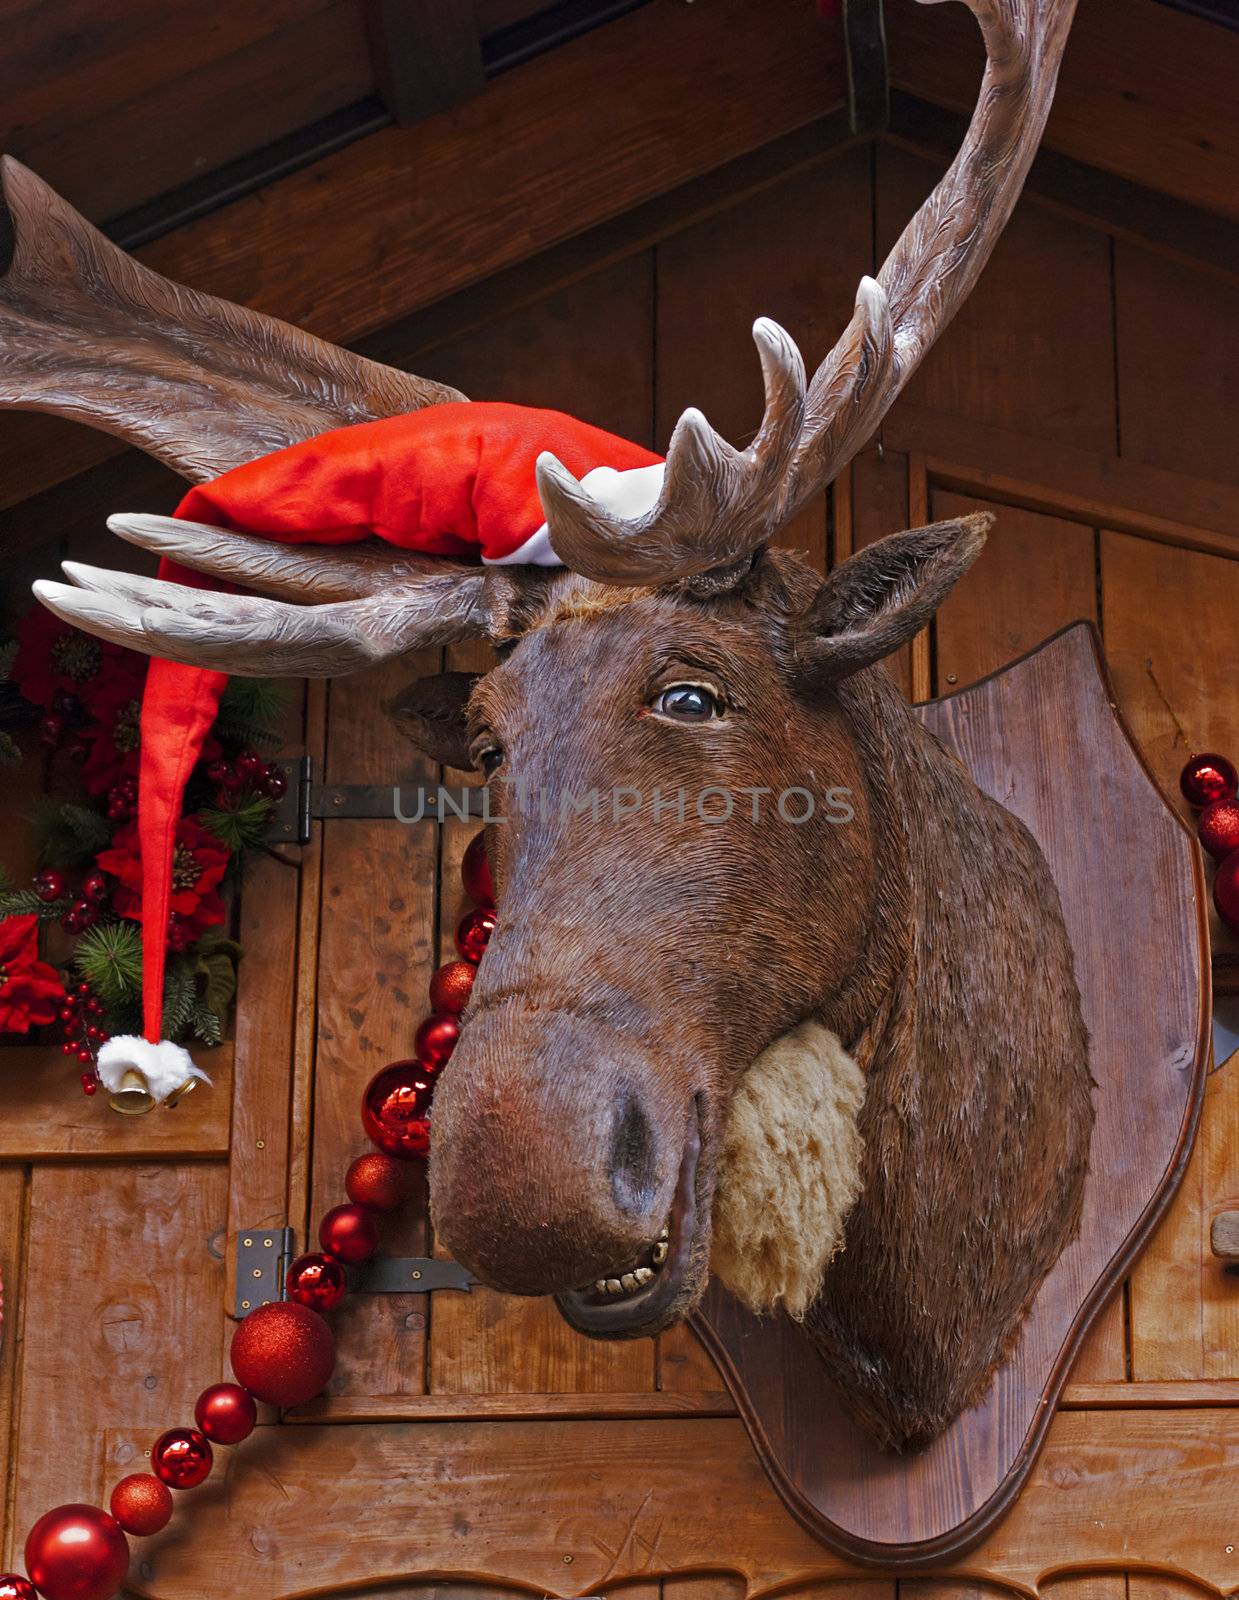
(71,941)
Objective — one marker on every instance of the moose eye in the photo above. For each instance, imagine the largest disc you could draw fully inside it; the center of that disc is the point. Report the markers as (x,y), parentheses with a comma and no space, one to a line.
(490,759)
(687,702)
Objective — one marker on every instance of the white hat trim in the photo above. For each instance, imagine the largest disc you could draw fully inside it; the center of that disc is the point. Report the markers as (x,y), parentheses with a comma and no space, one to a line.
(628,494)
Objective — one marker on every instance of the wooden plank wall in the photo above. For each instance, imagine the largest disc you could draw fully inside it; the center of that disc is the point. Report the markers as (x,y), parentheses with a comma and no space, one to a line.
(1081,395)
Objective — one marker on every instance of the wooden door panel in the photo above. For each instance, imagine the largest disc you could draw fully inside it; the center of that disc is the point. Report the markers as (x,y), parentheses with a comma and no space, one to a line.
(1040,311)
(1036,574)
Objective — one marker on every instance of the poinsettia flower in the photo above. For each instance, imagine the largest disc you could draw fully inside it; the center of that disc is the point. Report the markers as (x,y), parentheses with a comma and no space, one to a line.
(51,655)
(31,992)
(198,865)
(115,735)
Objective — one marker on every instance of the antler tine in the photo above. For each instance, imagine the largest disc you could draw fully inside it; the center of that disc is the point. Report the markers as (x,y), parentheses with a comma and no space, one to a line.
(716,502)
(248,636)
(944,248)
(287,571)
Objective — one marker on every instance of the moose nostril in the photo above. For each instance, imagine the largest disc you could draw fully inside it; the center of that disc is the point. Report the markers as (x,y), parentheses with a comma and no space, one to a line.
(633,1177)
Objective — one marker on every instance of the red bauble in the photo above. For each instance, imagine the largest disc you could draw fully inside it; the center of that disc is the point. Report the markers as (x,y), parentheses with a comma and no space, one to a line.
(451,986)
(349,1233)
(14,1587)
(316,1281)
(1218,827)
(284,1354)
(1208,777)
(395,1109)
(49,884)
(435,1040)
(77,1553)
(1226,891)
(475,872)
(378,1181)
(473,934)
(141,1504)
(95,888)
(226,1413)
(182,1458)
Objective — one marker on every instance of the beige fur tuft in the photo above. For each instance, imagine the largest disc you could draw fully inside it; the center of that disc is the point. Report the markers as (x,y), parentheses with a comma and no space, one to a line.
(789,1171)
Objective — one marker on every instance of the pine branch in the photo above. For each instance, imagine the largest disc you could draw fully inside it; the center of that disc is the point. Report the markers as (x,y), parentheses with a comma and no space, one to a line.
(241,827)
(109,957)
(69,835)
(25,903)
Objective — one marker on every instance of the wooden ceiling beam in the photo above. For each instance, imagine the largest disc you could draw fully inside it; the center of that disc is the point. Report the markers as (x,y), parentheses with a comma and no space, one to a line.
(404,217)
(427,56)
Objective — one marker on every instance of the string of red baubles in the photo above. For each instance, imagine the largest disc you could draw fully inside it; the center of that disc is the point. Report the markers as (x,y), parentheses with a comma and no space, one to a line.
(1210,785)
(284,1352)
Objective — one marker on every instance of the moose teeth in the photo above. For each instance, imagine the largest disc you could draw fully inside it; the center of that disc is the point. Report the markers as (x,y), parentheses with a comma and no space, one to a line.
(637,1277)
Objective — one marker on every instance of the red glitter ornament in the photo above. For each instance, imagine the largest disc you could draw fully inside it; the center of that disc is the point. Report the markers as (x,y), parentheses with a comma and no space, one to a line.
(141,1504)
(226,1413)
(451,986)
(14,1587)
(349,1233)
(473,934)
(435,1040)
(395,1109)
(182,1458)
(475,872)
(49,884)
(77,1552)
(1218,827)
(317,1281)
(1208,777)
(378,1181)
(283,1354)
(1226,891)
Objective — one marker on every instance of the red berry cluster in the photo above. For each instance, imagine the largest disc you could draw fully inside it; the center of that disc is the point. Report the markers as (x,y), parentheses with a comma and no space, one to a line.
(284,1352)
(64,726)
(1210,784)
(248,772)
(123,799)
(81,1029)
(91,898)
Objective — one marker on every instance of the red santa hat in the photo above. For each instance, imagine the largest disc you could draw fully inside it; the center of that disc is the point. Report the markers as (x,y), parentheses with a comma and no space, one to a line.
(454,480)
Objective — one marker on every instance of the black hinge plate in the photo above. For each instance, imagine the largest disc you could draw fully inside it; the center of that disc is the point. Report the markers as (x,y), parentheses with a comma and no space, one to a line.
(263,1255)
(409,1275)
(305,802)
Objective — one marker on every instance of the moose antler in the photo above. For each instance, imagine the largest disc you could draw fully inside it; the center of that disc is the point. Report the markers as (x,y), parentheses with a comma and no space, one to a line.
(89,333)
(372,604)
(718,505)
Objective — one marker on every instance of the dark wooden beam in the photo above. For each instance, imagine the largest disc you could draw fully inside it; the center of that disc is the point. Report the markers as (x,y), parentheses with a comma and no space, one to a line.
(427,55)
(864,45)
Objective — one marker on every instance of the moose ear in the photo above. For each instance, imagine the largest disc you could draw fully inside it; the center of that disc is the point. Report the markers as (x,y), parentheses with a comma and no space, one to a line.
(433,713)
(877,599)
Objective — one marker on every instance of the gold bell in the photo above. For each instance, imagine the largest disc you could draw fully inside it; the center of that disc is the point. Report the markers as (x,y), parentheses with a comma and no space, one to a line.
(177,1095)
(133,1098)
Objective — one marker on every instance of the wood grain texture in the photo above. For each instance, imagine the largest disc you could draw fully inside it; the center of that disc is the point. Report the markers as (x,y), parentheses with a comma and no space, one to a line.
(127,1275)
(13,1184)
(1146,1016)
(333,1508)
(1041,309)
(879,506)
(1163,613)
(1182,366)
(1036,574)
(44,1116)
(375,960)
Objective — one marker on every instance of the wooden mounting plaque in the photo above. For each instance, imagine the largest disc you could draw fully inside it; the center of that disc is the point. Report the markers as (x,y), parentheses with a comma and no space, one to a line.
(1045,738)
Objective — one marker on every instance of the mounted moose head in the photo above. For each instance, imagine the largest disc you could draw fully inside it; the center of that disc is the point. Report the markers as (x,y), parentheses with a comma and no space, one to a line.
(907,974)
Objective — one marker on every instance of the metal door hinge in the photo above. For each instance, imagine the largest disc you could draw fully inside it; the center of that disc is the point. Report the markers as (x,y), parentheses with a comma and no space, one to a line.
(305,802)
(263,1257)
